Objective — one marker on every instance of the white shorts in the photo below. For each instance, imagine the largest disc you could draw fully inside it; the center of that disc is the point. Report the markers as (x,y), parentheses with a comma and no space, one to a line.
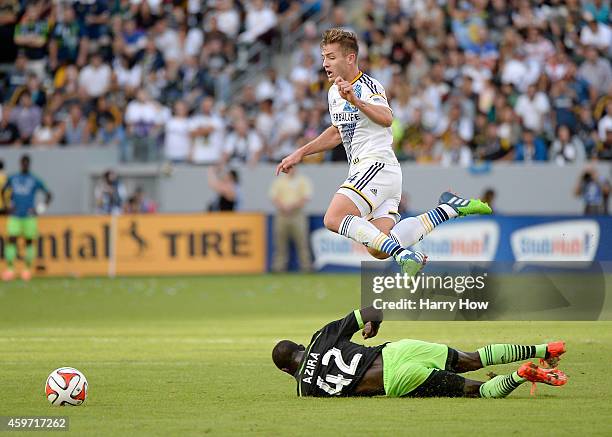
(376,189)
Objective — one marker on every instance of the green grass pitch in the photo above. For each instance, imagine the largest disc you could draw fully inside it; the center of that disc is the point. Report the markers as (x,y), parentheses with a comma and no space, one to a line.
(191,356)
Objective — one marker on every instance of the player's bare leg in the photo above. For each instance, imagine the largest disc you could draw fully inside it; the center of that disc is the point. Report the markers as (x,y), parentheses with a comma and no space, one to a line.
(338,209)
(344,217)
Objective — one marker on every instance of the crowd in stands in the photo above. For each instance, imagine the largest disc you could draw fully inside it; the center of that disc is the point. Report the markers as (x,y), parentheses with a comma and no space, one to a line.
(468,81)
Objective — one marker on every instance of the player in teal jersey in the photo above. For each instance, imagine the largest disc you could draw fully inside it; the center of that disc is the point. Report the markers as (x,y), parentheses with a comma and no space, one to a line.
(22,221)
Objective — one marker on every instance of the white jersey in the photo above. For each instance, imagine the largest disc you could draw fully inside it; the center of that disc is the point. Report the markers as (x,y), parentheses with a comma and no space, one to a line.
(362,138)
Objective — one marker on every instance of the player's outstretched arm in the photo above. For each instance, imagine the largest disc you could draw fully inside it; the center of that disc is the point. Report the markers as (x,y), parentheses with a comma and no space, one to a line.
(372,318)
(328,139)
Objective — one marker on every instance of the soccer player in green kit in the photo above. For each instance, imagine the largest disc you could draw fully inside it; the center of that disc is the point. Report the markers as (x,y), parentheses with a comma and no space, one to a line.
(22,221)
(332,365)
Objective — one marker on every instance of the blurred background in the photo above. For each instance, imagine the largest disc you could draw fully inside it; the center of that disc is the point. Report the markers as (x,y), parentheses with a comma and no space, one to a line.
(145,118)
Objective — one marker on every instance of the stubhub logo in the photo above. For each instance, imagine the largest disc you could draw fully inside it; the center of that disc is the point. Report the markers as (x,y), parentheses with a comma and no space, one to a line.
(570,240)
(329,248)
(457,241)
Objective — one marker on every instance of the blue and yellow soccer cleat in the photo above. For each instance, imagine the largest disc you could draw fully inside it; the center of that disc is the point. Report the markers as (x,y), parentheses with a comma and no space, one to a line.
(411,263)
(463,206)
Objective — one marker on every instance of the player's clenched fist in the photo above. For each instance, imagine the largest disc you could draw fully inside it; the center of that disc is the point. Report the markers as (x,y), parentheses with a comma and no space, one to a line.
(370,329)
(346,90)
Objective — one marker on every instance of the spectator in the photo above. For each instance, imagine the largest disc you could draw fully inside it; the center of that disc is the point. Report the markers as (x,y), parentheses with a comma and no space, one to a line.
(9,134)
(519,72)
(243,145)
(567,149)
(260,19)
(599,9)
(531,148)
(604,149)
(596,71)
(226,186)
(228,20)
(109,194)
(489,147)
(289,194)
(95,16)
(563,102)
(31,35)
(142,117)
(67,43)
(587,130)
(127,74)
(150,58)
(104,108)
(49,133)
(26,117)
(455,153)
(177,141)
(133,38)
(34,86)
(594,191)
(167,40)
(509,130)
(9,12)
(112,134)
(604,126)
(76,128)
(595,33)
(207,131)
(95,78)
(533,107)
(17,77)
(139,203)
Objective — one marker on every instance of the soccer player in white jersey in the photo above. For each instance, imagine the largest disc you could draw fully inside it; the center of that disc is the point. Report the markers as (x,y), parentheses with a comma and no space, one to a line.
(365,207)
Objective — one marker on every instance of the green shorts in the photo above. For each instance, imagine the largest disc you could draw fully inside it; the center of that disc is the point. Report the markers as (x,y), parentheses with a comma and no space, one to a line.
(26,227)
(408,363)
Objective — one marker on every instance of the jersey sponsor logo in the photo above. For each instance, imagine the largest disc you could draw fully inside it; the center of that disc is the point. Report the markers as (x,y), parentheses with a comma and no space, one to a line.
(348,107)
(569,240)
(346,117)
(23,187)
(374,191)
(472,241)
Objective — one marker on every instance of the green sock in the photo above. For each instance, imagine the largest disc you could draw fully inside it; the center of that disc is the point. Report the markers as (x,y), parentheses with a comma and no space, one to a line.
(10,254)
(508,353)
(30,253)
(501,386)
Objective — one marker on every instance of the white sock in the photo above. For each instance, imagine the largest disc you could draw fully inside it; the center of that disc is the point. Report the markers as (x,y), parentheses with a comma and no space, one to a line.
(411,230)
(364,232)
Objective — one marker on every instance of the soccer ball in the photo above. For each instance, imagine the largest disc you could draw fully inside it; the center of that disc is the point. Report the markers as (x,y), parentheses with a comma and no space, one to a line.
(66,386)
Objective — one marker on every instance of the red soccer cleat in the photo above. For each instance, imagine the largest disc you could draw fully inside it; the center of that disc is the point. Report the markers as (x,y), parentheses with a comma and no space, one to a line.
(534,374)
(554,351)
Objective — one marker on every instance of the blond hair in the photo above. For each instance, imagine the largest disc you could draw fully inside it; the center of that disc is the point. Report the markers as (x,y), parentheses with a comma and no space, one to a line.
(345,38)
